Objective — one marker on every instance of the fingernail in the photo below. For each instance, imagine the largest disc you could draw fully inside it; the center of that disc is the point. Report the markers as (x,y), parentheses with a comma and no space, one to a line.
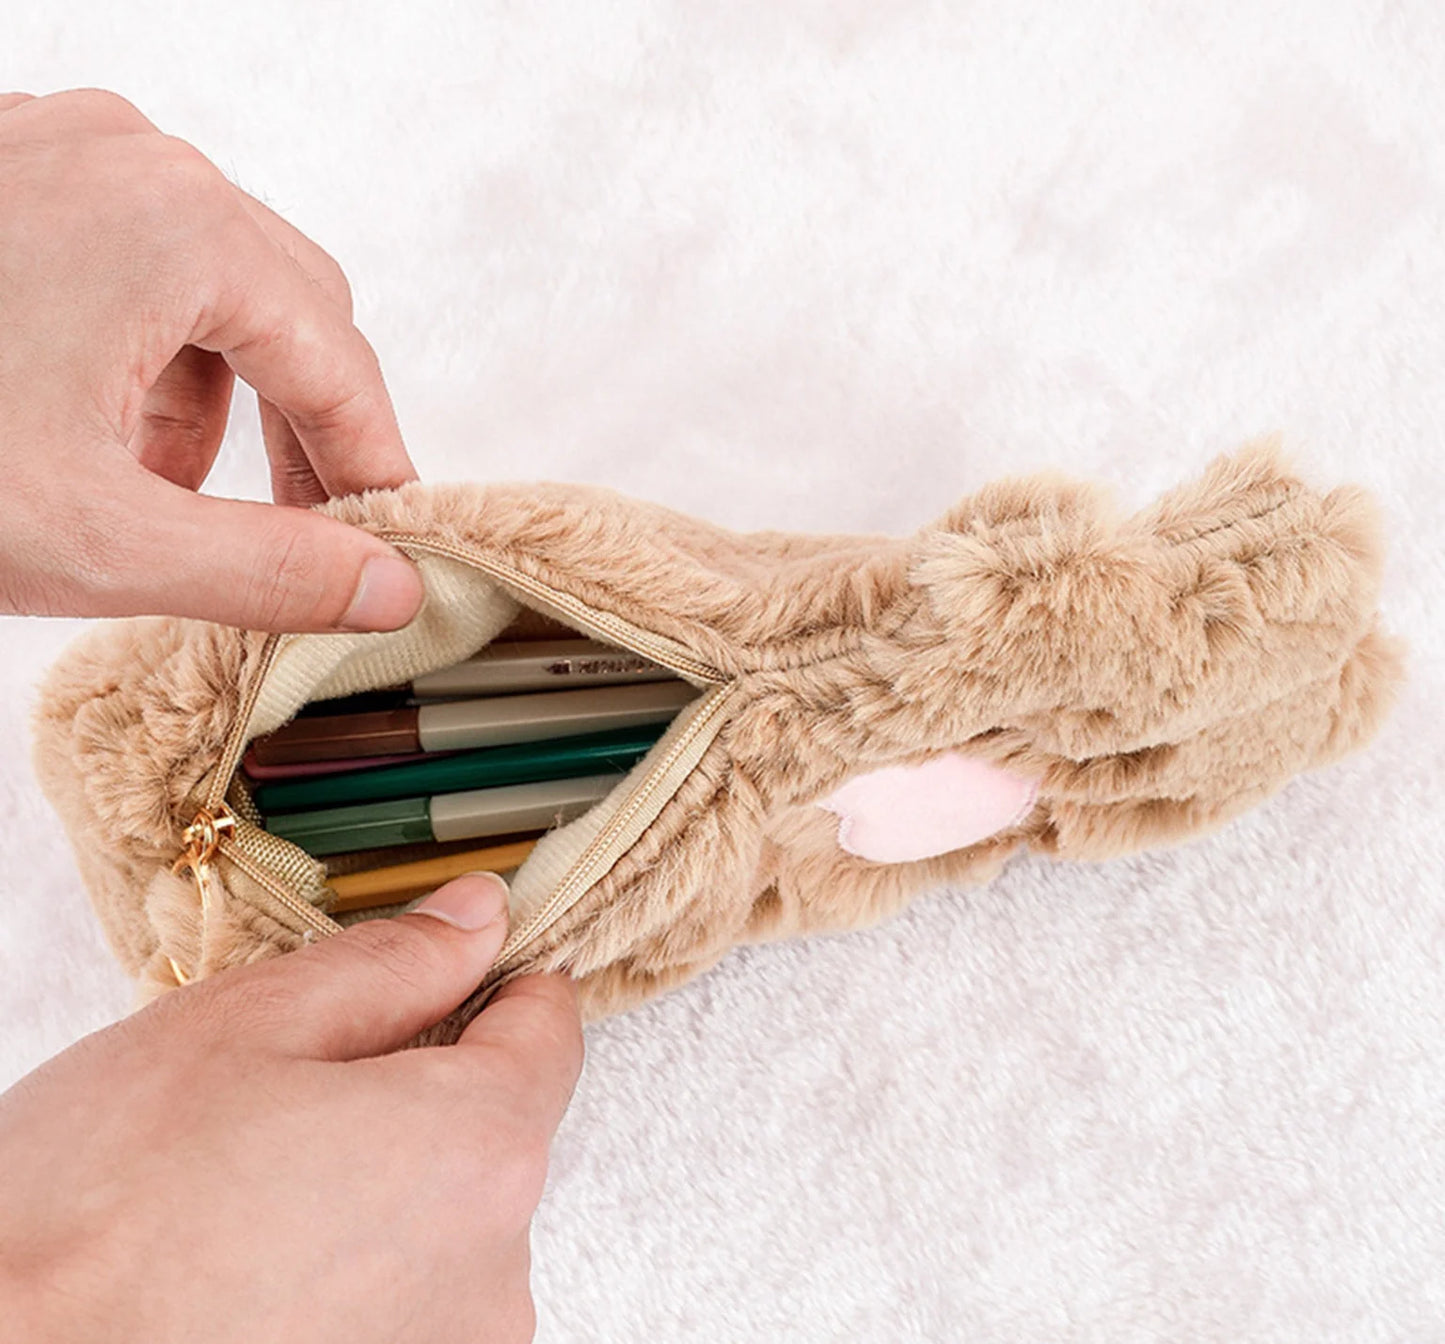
(388,596)
(471,902)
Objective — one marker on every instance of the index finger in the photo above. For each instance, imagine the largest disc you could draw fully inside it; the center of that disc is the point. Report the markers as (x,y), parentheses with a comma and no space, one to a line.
(533,1031)
(280,332)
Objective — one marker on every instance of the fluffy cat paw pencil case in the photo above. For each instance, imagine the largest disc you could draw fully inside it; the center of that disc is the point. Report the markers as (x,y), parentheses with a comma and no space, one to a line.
(874,717)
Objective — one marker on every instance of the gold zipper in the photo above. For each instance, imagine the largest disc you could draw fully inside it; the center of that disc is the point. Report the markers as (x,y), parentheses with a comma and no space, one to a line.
(218,834)
(202,838)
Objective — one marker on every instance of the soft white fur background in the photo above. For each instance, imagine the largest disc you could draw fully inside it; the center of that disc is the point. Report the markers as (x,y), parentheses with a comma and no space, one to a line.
(789,263)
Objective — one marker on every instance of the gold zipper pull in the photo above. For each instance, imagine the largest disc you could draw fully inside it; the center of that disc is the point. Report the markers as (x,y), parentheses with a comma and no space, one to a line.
(202,838)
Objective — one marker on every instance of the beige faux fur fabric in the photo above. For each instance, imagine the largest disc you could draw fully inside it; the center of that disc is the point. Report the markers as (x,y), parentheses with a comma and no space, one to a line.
(1156,674)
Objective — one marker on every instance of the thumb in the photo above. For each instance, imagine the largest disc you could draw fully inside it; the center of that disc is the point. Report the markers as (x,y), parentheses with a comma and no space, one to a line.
(260,566)
(372,988)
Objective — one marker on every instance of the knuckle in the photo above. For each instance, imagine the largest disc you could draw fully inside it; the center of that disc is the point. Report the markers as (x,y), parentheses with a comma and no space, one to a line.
(353,375)
(291,579)
(227,1008)
(366,354)
(370,360)
(186,163)
(185,431)
(333,282)
(103,108)
(181,151)
(355,378)
(184,173)
(253,1004)
(172,202)
(397,952)
(334,414)
(294,479)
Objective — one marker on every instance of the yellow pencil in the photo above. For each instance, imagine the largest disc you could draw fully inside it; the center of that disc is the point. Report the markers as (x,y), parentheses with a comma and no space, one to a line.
(402,881)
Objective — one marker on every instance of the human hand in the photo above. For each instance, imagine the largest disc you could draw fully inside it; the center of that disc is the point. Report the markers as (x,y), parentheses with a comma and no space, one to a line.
(241,1161)
(135,282)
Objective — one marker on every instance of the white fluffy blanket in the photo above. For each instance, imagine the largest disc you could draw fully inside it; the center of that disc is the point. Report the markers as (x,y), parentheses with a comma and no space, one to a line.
(788,263)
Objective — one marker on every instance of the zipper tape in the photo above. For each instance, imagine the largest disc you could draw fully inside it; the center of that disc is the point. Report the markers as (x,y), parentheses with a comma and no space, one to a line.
(258,854)
(612,629)
(635,815)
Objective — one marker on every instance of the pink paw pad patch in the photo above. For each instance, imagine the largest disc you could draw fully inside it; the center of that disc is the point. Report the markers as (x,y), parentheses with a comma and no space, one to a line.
(907,812)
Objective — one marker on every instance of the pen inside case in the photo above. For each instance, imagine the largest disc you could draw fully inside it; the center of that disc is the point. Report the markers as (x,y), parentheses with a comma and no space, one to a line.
(539,769)
(250,885)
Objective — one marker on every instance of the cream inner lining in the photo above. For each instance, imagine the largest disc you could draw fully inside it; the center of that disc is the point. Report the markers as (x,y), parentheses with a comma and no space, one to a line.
(464,610)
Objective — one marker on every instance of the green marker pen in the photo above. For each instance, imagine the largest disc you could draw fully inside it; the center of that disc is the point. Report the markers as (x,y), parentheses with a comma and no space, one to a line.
(492,767)
(447,816)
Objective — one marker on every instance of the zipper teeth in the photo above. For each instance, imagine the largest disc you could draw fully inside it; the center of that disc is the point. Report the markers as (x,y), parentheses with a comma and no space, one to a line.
(624,632)
(236,738)
(234,851)
(599,855)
